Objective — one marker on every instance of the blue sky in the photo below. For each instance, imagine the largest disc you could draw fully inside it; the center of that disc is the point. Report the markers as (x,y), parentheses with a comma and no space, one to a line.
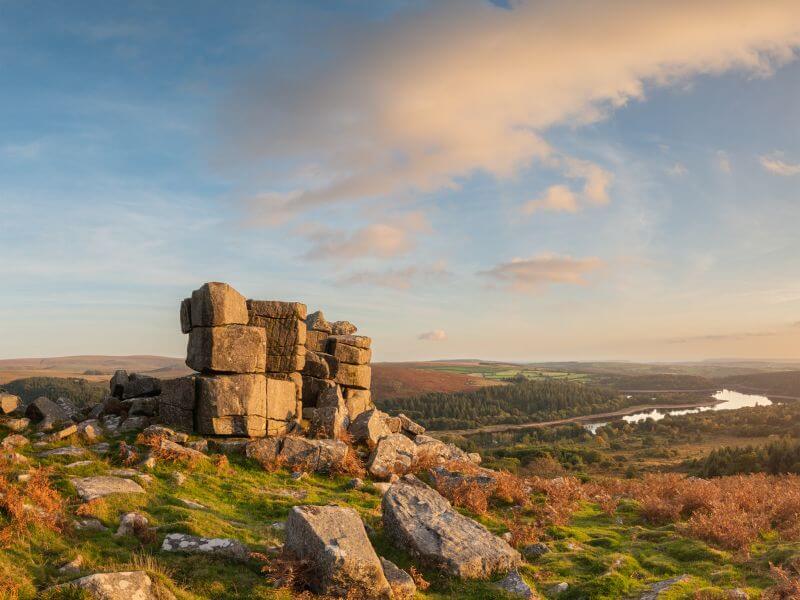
(539,181)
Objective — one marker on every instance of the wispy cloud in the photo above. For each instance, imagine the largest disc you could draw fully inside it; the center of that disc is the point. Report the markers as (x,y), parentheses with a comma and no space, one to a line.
(436,335)
(23,151)
(557,198)
(678,170)
(775,163)
(403,278)
(735,336)
(377,240)
(383,118)
(723,161)
(526,274)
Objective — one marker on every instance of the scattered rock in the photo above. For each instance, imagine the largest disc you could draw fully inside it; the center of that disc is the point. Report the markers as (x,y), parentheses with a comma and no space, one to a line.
(64,451)
(73,567)
(101,448)
(111,423)
(90,525)
(77,464)
(420,520)
(264,450)
(355,484)
(303,454)
(343,328)
(63,433)
(133,424)
(369,427)
(189,544)
(560,588)
(89,488)
(316,321)
(146,407)
(436,451)
(46,412)
(402,584)
(229,446)
(130,523)
(130,585)
(68,406)
(332,540)
(14,441)
(514,585)
(90,430)
(191,504)
(410,426)
(657,588)
(394,454)
(177,451)
(17,425)
(198,445)
(382,487)
(178,478)
(533,551)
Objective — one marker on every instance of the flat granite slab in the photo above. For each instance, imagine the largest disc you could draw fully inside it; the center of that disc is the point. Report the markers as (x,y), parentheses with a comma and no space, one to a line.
(90,488)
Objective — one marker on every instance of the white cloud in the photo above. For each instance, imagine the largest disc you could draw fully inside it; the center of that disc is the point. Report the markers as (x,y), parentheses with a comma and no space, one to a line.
(438,92)
(377,240)
(437,335)
(526,274)
(678,170)
(557,198)
(775,163)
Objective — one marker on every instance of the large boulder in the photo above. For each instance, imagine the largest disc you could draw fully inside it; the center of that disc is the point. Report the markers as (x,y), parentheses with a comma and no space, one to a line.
(216,304)
(133,385)
(417,518)
(357,402)
(46,412)
(395,454)
(8,403)
(264,450)
(431,450)
(176,404)
(402,584)
(129,585)
(334,544)
(303,454)
(231,349)
(232,405)
(277,309)
(294,359)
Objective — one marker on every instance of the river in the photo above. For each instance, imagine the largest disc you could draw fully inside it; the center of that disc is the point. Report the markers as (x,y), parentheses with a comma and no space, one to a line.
(726,400)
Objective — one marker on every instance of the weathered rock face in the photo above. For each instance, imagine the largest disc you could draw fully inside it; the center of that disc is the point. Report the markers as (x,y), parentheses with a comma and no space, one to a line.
(333,541)
(313,388)
(420,520)
(410,426)
(316,366)
(89,488)
(232,405)
(277,309)
(130,585)
(135,385)
(216,304)
(176,404)
(433,450)
(343,328)
(232,349)
(316,322)
(355,376)
(186,315)
(316,341)
(283,335)
(395,454)
(299,453)
(357,402)
(189,544)
(264,450)
(348,354)
(359,341)
(402,584)
(8,403)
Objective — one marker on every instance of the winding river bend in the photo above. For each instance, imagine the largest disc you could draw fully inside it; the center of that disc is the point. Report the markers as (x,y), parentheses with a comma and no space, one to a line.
(725,400)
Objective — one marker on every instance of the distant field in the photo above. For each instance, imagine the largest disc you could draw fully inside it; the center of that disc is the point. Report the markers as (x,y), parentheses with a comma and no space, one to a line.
(403,380)
(92,368)
(500,371)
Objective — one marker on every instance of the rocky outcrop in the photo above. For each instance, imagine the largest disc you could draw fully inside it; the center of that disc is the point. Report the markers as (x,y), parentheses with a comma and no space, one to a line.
(417,518)
(333,542)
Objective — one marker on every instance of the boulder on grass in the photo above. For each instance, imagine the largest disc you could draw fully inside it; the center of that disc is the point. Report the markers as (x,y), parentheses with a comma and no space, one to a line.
(8,403)
(89,488)
(189,544)
(47,413)
(418,519)
(334,544)
(369,427)
(402,584)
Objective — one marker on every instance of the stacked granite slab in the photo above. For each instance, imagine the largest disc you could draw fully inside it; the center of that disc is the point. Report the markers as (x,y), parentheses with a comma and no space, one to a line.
(336,356)
(245,357)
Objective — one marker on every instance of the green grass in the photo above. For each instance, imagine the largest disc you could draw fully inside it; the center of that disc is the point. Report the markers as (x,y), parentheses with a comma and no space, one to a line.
(599,556)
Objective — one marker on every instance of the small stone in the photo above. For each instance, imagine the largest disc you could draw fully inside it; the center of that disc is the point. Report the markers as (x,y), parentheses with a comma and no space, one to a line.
(64,451)
(559,588)
(536,550)
(514,585)
(90,430)
(80,463)
(355,484)
(298,475)
(63,433)
(191,504)
(23,477)
(101,448)
(178,478)
(130,523)
(73,567)
(317,322)
(14,441)
(8,403)
(131,585)
(90,525)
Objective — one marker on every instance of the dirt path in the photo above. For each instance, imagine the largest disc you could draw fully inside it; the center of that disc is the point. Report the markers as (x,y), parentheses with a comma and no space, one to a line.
(581,419)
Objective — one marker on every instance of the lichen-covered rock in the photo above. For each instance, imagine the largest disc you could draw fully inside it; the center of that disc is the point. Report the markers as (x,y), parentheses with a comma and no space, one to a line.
(343,328)
(316,321)
(89,488)
(129,585)
(189,544)
(283,335)
(347,353)
(17,425)
(315,366)
(316,341)
(281,399)
(90,430)
(130,523)
(68,406)
(357,402)
(216,304)
(14,441)
(135,385)
(264,450)
(277,309)
(359,341)
(436,451)
(333,542)
(133,424)
(402,584)
(395,454)
(304,454)
(410,426)
(232,405)
(514,585)
(313,388)
(417,518)
(231,349)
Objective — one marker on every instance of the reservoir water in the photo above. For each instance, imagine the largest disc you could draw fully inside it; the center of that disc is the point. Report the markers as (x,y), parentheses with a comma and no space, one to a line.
(727,400)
